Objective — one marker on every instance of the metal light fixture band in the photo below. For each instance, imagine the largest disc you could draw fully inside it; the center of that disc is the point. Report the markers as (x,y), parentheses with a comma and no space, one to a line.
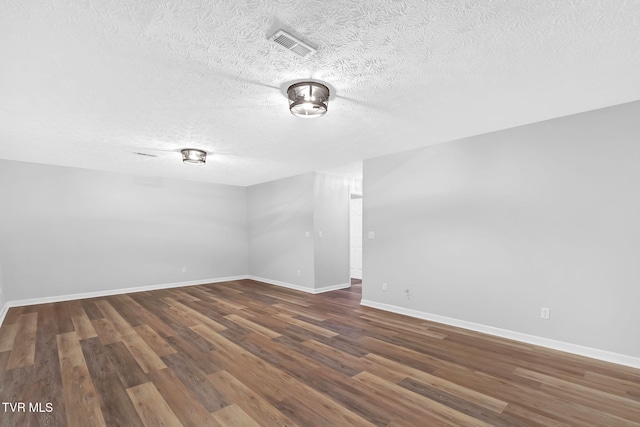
(193,156)
(308,99)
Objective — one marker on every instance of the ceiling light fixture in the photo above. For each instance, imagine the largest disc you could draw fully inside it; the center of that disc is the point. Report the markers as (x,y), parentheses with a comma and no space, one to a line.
(308,99)
(193,156)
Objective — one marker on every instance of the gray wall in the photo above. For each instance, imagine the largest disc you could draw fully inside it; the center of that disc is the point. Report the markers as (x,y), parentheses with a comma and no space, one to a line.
(68,230)
(278,215)
(281,212)
(331,217)
(490,229)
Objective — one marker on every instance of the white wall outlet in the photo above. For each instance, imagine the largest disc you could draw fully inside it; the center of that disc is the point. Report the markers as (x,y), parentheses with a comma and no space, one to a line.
(299,273)
(544,313)
(384,287)
(371,235)
(407,293)
(184,269)
(319,233)
(307,234)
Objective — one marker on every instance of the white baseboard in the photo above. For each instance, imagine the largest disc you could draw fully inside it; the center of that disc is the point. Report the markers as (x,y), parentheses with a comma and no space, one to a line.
(69,297)
(300,288)
(283,284)
(332,288)
(97,294)
(593,353)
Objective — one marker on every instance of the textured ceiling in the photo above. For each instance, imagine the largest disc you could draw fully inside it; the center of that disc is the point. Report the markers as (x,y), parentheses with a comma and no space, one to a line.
(88,83)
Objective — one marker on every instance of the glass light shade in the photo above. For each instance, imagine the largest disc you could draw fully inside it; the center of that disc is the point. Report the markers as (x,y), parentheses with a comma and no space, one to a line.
(308,99)
(193,156)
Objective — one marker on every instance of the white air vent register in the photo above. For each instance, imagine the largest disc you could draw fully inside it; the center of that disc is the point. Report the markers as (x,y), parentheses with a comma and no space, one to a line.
(292,44)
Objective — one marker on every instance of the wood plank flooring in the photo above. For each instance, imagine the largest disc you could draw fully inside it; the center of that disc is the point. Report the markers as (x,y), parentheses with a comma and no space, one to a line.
(245,353)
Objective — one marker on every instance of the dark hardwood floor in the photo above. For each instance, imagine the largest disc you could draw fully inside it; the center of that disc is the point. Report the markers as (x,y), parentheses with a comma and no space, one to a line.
(246,353)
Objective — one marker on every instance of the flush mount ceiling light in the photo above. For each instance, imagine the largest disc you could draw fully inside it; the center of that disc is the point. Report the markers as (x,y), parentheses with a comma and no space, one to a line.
(193,156)
(308,99)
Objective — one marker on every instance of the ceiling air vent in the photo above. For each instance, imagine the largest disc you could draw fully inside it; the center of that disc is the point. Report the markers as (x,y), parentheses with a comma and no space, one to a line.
(292,44)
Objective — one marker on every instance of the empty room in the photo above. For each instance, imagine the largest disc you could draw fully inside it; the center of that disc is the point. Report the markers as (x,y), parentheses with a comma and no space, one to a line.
(319,213)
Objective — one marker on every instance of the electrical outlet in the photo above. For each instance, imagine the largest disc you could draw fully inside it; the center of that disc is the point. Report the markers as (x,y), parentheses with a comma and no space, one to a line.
(384,287)
(319,233)
(371,235)
(407,293)
(307,234)
(299,273)
(544,313)
(184,269)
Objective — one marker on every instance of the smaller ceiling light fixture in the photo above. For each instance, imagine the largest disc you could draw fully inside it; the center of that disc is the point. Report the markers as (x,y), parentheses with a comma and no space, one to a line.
(308,99)
(193,156)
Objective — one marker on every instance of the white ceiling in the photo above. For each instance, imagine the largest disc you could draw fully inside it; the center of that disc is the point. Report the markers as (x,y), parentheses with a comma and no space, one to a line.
(88,83)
